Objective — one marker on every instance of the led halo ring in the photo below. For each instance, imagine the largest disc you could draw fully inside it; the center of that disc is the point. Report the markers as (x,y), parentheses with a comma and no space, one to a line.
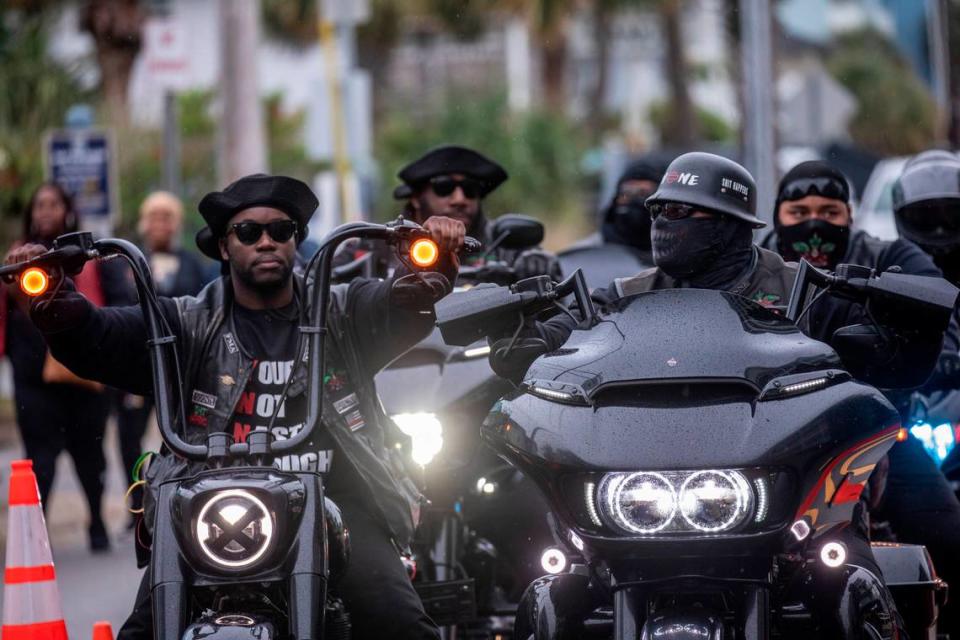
(267,533)
(741,490)
(615,508)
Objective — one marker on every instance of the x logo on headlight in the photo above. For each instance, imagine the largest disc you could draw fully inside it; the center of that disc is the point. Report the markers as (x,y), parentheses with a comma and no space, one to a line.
(234,532)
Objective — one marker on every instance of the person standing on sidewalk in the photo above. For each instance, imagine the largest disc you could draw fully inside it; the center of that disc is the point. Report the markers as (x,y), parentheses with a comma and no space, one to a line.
(55,410)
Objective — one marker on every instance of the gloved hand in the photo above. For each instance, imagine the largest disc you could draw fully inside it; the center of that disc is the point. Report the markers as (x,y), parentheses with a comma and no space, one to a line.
(67,310)
(513,363)
(419,291)
(536,262)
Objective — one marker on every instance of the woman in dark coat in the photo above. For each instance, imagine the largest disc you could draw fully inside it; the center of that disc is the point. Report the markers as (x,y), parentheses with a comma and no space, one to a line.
(55,410)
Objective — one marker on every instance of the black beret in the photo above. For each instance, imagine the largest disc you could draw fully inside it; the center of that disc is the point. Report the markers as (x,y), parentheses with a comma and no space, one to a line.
(289,195)
(447,160)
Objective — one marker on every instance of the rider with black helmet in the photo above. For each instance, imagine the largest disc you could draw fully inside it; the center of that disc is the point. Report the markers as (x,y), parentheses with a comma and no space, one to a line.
(926,207)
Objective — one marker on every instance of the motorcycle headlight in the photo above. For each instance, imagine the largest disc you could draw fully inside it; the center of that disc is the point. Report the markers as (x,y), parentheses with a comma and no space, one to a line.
(712,501)
(641,503)
(425,432)
(646,503)
(234,529)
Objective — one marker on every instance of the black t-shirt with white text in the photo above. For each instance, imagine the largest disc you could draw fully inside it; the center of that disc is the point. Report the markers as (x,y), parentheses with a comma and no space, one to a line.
(270,338)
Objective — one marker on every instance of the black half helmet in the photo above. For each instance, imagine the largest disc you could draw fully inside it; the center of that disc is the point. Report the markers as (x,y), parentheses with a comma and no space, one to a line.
(712,183)
(926,200)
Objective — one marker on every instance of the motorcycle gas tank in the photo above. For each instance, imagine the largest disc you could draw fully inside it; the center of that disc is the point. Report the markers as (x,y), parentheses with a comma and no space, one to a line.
(683,334)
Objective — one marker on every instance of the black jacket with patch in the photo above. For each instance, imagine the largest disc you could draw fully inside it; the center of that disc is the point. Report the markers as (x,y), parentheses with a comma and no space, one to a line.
(365,331)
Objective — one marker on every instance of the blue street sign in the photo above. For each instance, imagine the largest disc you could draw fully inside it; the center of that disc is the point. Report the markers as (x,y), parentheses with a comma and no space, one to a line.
(81,160)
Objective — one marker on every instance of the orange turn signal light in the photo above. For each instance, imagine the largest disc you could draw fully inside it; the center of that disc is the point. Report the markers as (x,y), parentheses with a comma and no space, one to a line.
(424,253)
(902,435)
(34,281)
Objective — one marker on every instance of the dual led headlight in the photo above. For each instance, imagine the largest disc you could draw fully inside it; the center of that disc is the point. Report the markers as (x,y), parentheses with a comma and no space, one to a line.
(646,503)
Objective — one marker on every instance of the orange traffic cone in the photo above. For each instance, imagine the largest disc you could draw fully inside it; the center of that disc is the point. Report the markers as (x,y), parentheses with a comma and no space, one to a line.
(102,631)
(31,602)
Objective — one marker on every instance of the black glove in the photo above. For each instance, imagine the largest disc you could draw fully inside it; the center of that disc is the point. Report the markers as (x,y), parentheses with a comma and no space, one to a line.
(66,310)
(512,363)
(536,262)
(419,291)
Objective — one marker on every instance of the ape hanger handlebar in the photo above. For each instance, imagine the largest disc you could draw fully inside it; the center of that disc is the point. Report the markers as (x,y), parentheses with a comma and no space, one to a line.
(72,251)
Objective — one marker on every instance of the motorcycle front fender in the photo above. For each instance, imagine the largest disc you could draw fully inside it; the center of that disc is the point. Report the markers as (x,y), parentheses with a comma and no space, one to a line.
(554,608)
(851,603)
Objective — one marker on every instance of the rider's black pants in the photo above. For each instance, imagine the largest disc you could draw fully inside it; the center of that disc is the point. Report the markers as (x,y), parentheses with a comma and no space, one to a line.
(375,589)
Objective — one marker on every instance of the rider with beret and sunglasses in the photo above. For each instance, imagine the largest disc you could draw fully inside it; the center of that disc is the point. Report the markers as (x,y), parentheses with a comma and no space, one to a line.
(238,342)
(451,181)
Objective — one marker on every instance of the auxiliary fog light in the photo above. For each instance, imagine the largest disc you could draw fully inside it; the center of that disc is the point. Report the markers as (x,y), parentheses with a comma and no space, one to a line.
(833,554)
(553,561)
(425,432)
(800,530)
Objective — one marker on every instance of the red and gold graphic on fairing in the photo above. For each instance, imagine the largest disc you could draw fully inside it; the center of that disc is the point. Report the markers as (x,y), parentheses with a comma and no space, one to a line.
(838,488)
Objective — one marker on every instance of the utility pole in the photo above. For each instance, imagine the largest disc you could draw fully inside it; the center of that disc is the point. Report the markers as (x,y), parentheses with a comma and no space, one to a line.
(243,132)
(757,73)
(171,143)
(938,35)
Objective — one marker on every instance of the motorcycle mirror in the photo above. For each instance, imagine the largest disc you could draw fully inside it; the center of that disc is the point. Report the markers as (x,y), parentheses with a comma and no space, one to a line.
(519,231)
(34,282)
(424,253)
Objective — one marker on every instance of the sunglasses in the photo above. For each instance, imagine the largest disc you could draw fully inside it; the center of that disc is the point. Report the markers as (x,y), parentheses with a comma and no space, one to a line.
(825,187)
(250,232)
(671,210)
(443,186)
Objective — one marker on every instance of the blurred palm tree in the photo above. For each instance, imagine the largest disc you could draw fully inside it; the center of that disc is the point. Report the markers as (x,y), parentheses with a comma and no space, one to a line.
(117,30)
(37,92)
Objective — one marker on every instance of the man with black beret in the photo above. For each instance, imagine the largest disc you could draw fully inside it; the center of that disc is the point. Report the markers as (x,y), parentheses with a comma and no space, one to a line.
(247,322)
(450,181)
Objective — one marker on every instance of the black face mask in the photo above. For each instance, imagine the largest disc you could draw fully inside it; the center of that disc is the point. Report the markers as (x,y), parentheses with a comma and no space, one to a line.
(686,247)
(631,221)
(707,253)
(819,242)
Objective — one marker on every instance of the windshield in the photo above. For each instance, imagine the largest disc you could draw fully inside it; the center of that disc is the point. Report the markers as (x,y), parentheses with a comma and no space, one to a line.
(683,334)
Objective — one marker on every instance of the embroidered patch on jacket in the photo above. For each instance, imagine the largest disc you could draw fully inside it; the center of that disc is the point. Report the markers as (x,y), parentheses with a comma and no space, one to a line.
(231,343)
(204,399)
(766,299)
(355,420)
(346,403)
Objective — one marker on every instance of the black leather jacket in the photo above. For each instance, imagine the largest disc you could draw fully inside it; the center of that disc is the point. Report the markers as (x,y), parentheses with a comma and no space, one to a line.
(368,332)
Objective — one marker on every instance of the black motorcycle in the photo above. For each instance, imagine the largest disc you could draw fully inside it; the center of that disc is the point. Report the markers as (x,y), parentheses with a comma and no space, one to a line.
(240,549)
(476,548)
(704,460)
